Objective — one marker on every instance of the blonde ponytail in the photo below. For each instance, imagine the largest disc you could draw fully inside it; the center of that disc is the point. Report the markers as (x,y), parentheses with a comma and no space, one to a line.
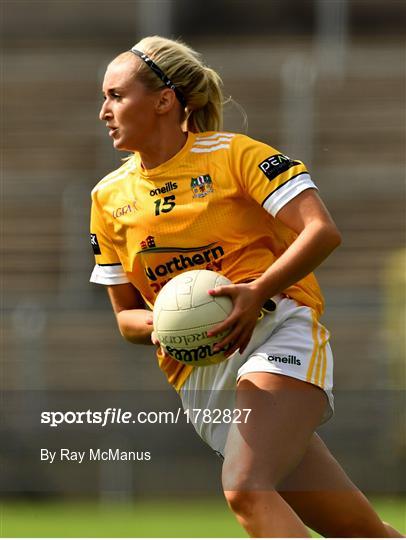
(205,104)
(199,85)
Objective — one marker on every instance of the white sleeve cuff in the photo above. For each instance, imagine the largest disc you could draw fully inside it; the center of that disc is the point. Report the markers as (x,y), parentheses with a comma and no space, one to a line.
(112,274)
(286,192)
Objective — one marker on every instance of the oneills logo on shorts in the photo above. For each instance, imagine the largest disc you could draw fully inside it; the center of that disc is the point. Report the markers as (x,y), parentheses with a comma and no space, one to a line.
(290,359)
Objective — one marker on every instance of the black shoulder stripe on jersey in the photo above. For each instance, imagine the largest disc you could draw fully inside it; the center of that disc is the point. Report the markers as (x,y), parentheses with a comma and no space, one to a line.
(110,264)
(276,189)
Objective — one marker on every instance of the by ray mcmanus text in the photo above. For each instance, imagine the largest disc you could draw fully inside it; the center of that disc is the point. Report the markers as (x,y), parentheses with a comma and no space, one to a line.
(93,454)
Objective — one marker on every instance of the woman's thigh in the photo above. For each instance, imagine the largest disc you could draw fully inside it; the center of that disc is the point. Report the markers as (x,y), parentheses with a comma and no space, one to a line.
(263,450)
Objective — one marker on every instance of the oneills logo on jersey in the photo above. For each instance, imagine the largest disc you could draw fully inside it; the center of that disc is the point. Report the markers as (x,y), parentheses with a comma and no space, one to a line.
(95,244)
(277,164)
(181,262)
(169,186)
(149,242)
(201,186)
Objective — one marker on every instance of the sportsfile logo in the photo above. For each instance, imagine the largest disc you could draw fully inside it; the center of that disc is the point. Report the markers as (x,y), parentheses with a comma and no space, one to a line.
(185,262)
(277,164)
(290,359)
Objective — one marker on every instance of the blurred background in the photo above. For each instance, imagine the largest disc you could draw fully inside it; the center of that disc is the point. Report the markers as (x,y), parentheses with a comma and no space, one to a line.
(321,80)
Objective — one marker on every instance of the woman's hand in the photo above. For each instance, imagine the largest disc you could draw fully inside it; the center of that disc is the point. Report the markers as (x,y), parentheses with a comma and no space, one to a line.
(154,338)
(155,341)
(247,301)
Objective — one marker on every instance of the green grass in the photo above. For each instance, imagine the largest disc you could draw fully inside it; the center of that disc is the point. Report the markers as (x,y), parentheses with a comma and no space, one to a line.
(175,518)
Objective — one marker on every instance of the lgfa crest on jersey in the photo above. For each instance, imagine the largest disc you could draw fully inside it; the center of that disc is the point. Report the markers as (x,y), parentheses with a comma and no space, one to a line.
(202,186)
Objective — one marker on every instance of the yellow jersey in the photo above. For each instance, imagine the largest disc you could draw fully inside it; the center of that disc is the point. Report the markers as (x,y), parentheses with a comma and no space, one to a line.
(213,205)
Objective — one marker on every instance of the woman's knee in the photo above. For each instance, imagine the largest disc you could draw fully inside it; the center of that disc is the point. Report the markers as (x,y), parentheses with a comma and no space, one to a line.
(242,503)
(244,488)
(239,478)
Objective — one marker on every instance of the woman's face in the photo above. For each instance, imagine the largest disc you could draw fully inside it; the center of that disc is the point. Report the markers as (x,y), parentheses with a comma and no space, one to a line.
(128,108)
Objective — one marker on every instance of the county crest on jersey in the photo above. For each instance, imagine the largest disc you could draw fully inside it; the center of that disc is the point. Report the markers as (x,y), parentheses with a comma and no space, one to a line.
(202,186)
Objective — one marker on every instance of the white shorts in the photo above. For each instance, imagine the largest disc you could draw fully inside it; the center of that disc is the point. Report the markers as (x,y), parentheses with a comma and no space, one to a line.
(288,341)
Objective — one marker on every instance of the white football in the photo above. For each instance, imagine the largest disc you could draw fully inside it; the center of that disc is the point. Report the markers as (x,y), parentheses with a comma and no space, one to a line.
(184,312)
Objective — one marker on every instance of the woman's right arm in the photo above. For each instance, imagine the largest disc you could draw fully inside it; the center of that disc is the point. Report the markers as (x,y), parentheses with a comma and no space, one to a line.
(134,321)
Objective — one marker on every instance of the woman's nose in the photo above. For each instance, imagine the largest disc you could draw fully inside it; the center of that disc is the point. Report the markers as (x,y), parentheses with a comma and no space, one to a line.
(104,111)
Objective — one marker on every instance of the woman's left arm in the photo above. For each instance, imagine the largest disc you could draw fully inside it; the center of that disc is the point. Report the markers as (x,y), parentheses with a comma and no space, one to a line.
(317,237)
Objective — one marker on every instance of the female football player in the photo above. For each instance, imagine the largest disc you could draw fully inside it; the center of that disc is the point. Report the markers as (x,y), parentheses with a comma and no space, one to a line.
(191,196)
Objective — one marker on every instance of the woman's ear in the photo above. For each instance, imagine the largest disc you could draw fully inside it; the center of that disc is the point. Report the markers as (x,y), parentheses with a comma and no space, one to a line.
(165,101)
